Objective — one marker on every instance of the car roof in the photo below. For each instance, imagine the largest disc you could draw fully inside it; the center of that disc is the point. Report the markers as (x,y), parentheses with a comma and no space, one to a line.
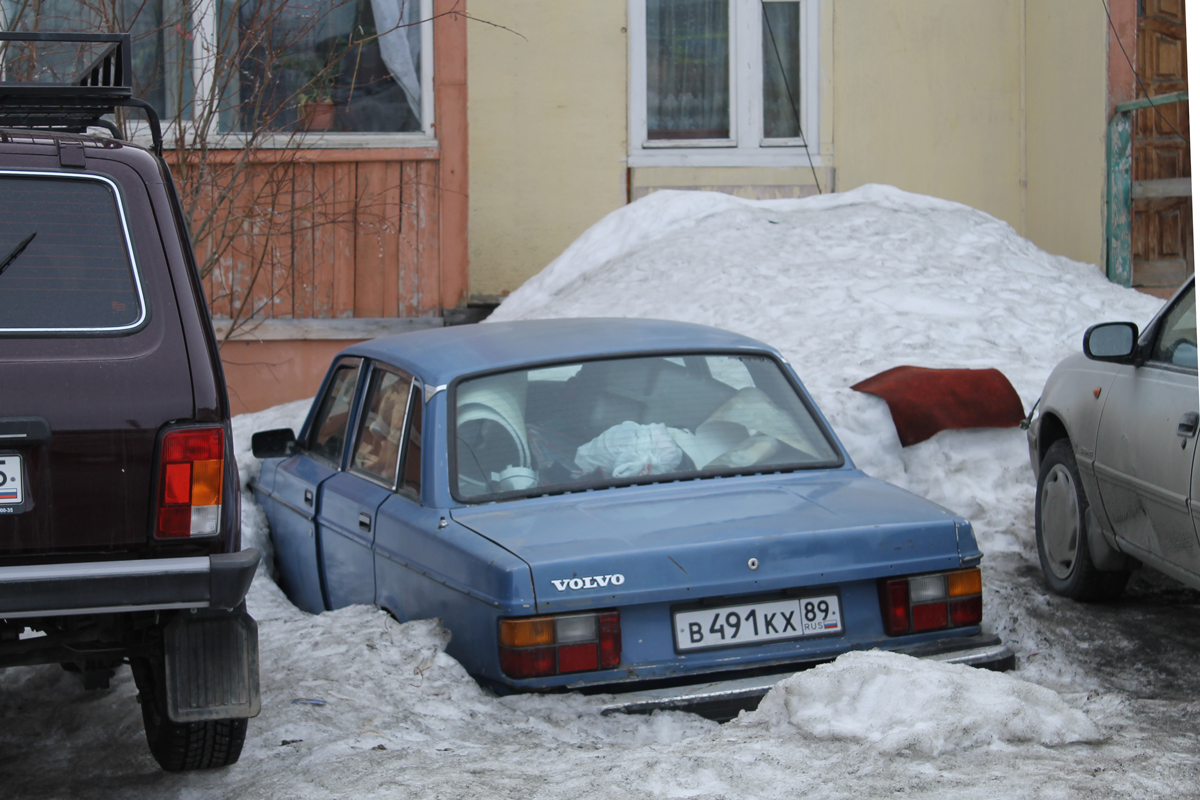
(439,355)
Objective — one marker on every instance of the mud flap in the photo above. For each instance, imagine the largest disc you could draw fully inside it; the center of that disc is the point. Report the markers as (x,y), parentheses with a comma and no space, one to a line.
(212,667)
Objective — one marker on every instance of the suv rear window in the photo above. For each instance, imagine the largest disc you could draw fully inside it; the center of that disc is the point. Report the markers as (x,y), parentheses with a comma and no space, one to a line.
(65,260)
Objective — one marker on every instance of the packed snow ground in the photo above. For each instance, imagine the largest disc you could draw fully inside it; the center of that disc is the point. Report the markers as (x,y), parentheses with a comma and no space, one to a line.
(846,286)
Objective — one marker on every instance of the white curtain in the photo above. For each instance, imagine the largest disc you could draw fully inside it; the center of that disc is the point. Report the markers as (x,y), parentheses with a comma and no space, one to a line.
(401,46)
(687,69)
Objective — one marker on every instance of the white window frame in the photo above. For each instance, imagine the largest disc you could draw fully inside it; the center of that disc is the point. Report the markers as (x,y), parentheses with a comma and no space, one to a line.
(203,53)
(746,146)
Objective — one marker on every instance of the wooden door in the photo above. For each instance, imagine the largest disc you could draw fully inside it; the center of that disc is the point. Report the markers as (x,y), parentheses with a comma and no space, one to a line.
(1163,254)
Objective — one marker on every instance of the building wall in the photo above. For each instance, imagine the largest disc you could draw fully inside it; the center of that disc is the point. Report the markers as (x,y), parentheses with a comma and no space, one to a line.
(1066,119)
(548,120)
(927,97)
(385,251)
(999,105)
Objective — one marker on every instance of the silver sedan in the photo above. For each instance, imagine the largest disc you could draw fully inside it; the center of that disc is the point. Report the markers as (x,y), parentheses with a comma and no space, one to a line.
(1113,445)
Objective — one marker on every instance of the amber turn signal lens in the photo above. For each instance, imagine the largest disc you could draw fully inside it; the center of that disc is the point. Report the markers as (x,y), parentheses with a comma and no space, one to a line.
(964,583)
(530,632)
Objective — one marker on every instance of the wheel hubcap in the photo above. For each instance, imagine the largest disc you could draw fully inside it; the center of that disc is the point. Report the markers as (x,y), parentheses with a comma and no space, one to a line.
(1060,521)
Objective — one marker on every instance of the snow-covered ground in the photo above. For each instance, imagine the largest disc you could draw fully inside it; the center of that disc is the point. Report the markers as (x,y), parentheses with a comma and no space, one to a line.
(846,286)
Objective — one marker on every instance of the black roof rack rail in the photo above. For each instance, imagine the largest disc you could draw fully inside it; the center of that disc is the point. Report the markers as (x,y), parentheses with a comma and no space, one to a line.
(98,89)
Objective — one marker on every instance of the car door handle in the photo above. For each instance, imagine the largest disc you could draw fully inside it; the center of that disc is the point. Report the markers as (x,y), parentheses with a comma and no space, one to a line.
(1188,423)
(364,521)
(308,497)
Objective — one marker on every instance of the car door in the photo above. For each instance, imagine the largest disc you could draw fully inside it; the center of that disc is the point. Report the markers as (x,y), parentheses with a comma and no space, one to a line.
(405,524)
(350,500)
(298,480)
(1145,449)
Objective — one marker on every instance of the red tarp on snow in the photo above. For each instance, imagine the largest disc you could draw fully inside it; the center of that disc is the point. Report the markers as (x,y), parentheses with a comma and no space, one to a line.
(924,401)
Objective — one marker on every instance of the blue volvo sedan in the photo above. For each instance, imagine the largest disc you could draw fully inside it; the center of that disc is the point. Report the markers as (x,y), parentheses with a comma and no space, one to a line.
(656,510)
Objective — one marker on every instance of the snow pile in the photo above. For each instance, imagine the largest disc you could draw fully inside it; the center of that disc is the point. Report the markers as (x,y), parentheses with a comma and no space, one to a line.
(254,522)
(899,704)
(846,286)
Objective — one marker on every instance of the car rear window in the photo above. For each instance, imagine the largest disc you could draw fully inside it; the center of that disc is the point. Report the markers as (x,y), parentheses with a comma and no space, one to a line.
(65,261)
(601,423)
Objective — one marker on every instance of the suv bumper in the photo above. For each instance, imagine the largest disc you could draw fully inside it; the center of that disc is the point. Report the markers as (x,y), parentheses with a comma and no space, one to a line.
(152,584)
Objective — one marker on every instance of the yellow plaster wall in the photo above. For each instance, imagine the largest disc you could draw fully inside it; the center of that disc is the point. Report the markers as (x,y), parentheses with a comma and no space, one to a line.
(548,127)
(927,97)
(1065,127)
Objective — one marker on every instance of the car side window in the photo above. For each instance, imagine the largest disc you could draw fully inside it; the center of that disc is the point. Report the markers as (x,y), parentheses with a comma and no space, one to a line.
(411,483)
(377,451)
(328,437)
(1175,342)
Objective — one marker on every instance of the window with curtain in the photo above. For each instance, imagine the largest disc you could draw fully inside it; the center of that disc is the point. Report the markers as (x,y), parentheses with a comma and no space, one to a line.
(338,66)
(160,31)
(736,76)
(343,67)
(687,69)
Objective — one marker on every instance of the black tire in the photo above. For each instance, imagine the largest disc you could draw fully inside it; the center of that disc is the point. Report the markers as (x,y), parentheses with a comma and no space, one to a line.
(183,746)
(1061,528)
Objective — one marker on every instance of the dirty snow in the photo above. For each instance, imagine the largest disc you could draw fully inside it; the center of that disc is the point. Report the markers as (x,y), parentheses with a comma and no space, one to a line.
(356,704)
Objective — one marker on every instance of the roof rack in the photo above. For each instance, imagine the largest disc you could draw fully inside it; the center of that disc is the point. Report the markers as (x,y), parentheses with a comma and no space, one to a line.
(96,90)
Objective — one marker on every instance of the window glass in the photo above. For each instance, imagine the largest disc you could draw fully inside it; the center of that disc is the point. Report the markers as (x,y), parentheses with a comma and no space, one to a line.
(412,451)
(329,427)
(687,69)
(161,31)
(378,450)
(622,420)
(1176,340)
(349,65)
(781,69)
(64,260)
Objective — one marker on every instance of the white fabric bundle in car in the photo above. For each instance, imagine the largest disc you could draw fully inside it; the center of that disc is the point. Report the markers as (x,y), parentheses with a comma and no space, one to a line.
(629,449)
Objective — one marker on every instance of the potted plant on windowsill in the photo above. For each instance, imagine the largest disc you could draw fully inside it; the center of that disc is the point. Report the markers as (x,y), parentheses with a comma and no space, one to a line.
(316,109)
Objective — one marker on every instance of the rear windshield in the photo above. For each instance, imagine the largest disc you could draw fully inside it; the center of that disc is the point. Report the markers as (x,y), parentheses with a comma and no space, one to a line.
(630,420)
(65,262)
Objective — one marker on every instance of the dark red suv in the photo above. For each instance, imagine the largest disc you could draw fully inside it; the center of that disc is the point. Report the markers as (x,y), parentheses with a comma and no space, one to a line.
(119,526)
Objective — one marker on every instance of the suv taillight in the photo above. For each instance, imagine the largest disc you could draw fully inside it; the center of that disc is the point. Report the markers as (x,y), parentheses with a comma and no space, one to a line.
(191,470)
(922,603)
(537,647)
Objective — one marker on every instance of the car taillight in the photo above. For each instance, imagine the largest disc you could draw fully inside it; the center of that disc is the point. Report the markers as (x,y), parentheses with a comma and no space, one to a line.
(191,472)
(922,603)
(536,647)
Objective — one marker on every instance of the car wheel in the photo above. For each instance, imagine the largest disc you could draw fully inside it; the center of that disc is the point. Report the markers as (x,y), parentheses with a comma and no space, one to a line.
(182,746)
(1061,528)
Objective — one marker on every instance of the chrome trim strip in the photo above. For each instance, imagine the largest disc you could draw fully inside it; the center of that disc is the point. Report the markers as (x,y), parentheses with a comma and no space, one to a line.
(137,277)
(70,612)
(105,569)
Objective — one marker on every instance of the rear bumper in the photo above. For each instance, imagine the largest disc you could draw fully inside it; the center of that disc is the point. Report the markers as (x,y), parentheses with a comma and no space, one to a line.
(153,584)
(982,650)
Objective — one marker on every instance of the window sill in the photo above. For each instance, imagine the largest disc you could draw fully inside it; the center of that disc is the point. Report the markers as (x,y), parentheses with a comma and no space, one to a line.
(357,328)
(771,156)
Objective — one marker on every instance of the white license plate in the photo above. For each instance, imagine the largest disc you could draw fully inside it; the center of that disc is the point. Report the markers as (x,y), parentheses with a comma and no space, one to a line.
(10,480)
(768,621)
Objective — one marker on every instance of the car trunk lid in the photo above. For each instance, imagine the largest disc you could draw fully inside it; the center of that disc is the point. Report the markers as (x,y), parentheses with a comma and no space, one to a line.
(671,543)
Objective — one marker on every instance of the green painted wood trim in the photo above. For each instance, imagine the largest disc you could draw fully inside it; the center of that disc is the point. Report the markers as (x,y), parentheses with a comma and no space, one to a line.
(1119,220)
(1146,102)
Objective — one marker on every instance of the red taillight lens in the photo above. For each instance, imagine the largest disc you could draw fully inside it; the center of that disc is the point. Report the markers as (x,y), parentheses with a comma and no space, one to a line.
(528,662)
(895,607)
(932,602)
(968,611)
(191,469)
(537,647)
(610,640)
(929,617)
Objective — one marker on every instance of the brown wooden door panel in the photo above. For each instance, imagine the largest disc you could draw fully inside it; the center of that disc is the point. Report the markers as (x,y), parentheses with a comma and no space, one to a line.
(1162,228)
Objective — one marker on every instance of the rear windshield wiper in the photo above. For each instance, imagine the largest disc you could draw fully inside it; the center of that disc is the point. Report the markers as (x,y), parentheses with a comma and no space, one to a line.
(16,251)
